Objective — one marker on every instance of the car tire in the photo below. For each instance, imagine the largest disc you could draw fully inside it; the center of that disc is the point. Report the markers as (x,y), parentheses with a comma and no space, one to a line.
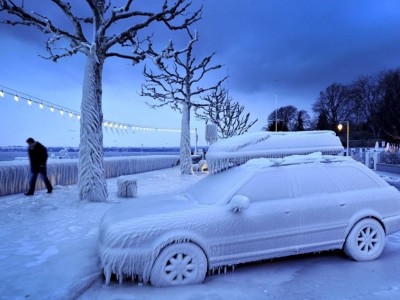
(365,241)
(179,264)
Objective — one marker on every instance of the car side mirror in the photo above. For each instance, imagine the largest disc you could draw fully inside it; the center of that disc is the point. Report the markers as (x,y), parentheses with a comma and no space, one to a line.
(239,203)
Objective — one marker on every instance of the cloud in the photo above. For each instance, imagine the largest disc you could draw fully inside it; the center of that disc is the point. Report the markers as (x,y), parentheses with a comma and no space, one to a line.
(292,49)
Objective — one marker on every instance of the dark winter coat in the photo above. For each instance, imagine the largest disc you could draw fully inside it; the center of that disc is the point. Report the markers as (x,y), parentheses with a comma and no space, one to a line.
(38,156)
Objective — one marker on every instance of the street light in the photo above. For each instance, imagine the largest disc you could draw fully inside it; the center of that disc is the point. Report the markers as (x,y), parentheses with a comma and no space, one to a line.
(340,127)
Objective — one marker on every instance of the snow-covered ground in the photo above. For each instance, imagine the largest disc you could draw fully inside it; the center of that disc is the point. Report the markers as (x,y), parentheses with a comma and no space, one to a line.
(48,251)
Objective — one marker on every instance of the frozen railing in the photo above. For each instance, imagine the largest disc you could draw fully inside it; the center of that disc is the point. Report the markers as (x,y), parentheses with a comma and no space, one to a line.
(14,175)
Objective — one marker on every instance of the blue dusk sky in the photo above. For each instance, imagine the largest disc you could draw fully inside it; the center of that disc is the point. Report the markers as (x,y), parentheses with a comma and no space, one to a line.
(284,50)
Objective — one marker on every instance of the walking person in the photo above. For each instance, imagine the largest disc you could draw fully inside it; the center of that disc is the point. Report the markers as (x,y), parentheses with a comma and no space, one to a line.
(38,159)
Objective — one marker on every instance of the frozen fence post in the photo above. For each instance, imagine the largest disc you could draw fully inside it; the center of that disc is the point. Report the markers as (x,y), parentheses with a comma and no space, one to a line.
(127,187)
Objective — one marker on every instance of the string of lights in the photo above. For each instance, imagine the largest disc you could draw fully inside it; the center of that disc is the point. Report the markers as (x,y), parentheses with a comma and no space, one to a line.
(18,96)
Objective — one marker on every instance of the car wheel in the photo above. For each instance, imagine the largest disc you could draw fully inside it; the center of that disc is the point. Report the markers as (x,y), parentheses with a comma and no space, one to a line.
(365,240)
(179,264)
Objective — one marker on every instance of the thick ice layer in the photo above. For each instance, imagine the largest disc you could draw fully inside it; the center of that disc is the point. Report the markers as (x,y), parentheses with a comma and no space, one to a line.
(239,149)
(14,175)
(265,208)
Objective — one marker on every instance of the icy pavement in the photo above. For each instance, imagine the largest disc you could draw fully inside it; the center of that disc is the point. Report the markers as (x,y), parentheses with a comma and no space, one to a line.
(48,241)
(48,251)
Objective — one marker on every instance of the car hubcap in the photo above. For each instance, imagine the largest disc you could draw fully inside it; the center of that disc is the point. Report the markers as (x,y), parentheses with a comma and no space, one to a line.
(367,239)
(180,267)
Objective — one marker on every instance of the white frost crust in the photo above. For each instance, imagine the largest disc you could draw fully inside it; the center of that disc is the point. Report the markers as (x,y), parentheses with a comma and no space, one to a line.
(239,149)
(14,175)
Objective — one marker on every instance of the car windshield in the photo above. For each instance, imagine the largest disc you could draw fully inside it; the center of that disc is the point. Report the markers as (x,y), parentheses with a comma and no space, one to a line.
(217,187)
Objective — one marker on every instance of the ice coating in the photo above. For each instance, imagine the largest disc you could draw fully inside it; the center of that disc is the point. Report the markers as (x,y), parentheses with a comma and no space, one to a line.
(239,149)
(262,209)
(14,175)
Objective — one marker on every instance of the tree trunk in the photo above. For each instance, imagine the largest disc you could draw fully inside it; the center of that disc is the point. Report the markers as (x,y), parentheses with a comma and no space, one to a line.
(185,153)
(92,183)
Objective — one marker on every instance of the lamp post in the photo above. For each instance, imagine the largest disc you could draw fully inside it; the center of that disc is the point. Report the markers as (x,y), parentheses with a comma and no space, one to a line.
(340,127)
(276,113)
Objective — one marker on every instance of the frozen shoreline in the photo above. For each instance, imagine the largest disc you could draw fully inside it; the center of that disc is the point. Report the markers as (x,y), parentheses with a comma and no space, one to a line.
(14,175)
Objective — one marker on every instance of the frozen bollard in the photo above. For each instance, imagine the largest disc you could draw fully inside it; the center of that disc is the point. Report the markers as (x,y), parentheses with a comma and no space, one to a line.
(127,187)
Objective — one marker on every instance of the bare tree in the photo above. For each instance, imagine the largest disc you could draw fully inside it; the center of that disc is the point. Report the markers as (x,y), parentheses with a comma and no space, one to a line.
(368,93)
(106,31)
(178,86)
(335,103)
(227,115)
(391,104)
(284,117)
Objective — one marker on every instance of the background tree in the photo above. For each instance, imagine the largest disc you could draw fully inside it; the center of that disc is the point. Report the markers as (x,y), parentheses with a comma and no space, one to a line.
(226,114)
(390,110)
(105,32)
(334,103)
(178,86)
(303,121)
(368,94)
(285,117)
(322,122)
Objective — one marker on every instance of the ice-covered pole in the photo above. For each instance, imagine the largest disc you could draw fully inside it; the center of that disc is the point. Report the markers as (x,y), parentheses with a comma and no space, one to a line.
(211,133)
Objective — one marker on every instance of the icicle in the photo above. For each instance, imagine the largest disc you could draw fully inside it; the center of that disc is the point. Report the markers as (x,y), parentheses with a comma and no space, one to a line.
(107,274)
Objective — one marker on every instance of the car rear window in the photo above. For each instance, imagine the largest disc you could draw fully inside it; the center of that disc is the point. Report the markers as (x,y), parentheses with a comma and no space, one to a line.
(352,178)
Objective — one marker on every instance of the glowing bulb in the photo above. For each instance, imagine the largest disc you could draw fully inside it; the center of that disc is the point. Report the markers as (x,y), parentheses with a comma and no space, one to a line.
(52,109)
(61,112)
(78,117)
(29,102)
(70,114)
(16,98)
(1,93)
(116,125)
(41,105)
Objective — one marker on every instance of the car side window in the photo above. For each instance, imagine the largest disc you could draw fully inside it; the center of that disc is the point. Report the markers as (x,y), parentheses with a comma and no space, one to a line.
(351,178)
(313,180)
(273,184)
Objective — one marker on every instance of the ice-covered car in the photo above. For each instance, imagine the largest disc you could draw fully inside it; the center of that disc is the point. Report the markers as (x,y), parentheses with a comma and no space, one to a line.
(262,209)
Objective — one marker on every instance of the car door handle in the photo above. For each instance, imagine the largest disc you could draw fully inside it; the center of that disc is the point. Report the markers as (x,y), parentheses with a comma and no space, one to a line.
(342,204)
(288,212)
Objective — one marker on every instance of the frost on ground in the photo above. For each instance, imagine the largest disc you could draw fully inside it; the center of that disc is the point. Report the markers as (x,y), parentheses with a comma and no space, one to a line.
(48,251)
(48,241)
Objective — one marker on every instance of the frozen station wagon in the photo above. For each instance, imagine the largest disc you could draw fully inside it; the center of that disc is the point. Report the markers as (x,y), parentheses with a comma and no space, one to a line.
(262,209)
